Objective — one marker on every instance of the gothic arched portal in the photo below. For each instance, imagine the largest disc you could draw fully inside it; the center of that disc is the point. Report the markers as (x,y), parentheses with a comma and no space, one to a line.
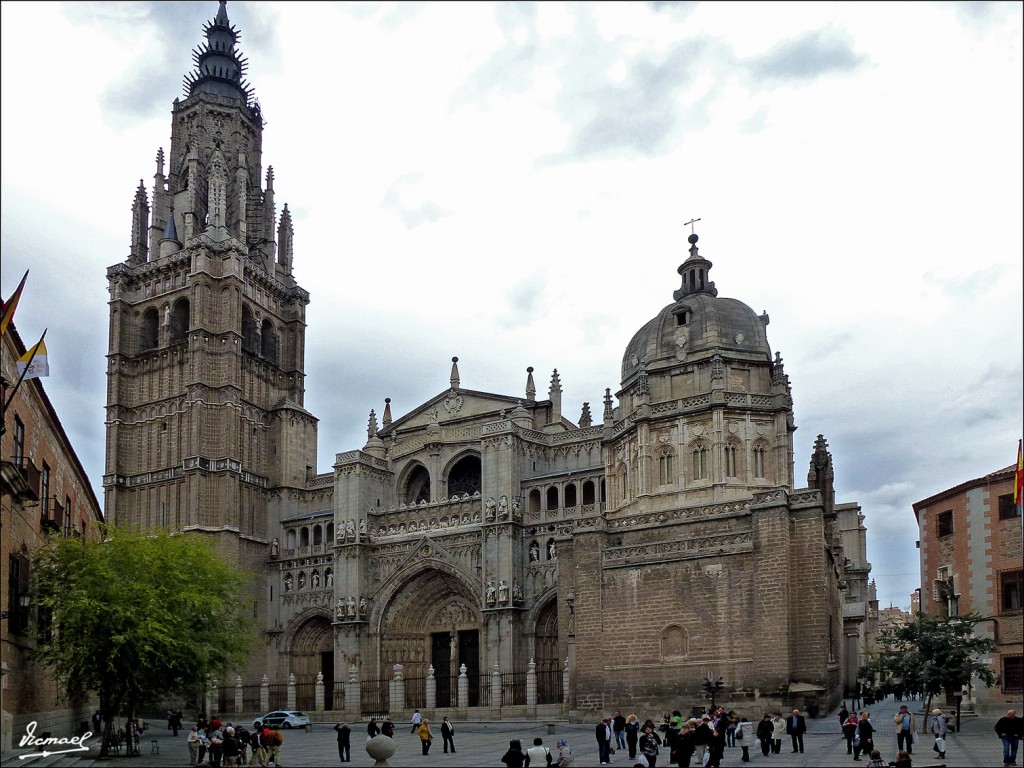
(432,620)
(311,652)
(547,654)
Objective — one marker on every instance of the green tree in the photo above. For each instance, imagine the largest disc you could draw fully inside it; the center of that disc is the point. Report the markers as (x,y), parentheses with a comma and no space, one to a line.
(933,655)
(138,618)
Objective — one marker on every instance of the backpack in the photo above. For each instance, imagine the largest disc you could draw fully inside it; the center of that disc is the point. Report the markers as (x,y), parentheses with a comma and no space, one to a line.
(275,739)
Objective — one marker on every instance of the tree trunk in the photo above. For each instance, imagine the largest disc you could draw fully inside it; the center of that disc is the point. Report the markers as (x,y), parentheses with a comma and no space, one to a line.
(927,711)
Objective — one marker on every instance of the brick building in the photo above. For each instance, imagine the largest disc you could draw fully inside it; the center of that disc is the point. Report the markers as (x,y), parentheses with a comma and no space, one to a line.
(626,557)
(43,492)
(970,538)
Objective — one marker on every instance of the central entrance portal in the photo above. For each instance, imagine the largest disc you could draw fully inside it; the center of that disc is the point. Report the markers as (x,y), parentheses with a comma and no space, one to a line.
(449,651)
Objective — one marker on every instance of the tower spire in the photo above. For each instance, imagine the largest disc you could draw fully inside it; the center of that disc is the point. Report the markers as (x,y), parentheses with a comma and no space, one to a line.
(219,68)
(694,271)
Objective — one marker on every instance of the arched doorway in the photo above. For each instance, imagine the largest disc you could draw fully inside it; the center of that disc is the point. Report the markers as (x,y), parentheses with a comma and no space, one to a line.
(312,651)
(547,654)
(432,620)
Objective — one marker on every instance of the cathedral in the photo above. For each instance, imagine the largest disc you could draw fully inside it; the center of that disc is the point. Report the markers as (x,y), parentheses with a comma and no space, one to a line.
(483,549)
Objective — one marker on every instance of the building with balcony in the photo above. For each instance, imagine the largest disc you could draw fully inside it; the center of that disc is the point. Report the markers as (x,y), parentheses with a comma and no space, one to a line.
(971,556)
(44,492)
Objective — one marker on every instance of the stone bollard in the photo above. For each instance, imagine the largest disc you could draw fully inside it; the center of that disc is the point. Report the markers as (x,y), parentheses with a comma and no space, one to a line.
(380,748)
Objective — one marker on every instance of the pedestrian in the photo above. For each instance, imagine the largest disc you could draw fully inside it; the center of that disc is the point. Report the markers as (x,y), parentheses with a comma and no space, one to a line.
(372,729)
(778,731)
(902,760)
(619,729)
(344,742)
(684,744)
(864,741)
(850,731)
(417,720)
(387,728)
(743,737)
(192,740)
(650,745)
(426,737)
(230,748)
(730,729)
(632,734)
(259,748)
(876,760)
(538,755)
(1010,730)
(564,759)
(905,726)
(515,757)
(603,734)
(796,727)
(448,734)
(764,734)
(274,740)
(939,728)
(844,713)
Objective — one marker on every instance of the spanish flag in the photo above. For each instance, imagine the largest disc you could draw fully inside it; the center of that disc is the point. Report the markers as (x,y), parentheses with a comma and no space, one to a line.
(1018,482)
(10,305)
(33,364)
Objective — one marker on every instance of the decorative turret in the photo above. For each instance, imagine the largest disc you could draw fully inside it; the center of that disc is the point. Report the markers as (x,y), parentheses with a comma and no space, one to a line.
(285,238)
(140,227)
(694,272)
(169,243)
(821,474)
(386,419)
(219,69)
(531,388)
(454,379)
(555,396)
(586,419)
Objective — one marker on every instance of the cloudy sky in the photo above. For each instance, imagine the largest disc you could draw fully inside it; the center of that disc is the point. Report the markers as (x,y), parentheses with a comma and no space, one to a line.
(509,183)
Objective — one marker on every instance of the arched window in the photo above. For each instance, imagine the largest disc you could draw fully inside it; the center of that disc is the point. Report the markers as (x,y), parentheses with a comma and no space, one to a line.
(464,477)
(289,540)
(304,537)
(417,487)
(268,342)
(730,460)
(318,535)
(588,492)
(570,495)
(700,462)
(250,336)
(666,468)
(180,321)
(552,499)
(330,532)
(149,331)
(534,501)
(759,468)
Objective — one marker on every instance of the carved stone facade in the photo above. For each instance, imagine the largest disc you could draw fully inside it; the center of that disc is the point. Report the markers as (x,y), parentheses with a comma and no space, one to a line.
(478,529)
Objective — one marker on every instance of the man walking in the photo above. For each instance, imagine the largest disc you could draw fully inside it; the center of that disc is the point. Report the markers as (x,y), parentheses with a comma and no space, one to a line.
(904,724)
(1010,730)
(619,729)
(448,734)
(417,719)
(796,727)
(344,742)
(603,733)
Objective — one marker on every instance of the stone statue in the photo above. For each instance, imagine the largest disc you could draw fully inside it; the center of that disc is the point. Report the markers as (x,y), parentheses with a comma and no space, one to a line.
(534,552)
(350,607)
(350,530)
(302,579)
(551,550)
(315,580)
(502,591)
(503,507)
(489,506)
(329,581)
(490,593)
(517,592)
(516,504)
(362,529)
(339,610)
(287,582)
(275,547)
(364,609)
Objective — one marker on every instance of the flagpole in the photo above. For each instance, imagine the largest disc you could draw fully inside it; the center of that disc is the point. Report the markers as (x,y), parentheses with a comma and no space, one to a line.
(21,378)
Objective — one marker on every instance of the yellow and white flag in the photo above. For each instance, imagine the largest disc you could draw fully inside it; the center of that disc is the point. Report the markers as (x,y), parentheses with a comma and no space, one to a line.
(33,364)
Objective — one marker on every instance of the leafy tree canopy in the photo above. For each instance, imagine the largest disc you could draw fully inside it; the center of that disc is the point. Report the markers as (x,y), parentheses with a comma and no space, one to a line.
(136,618)
(933,654)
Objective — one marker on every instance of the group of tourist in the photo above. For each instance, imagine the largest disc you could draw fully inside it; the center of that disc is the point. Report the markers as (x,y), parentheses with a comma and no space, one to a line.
(220,744)
(538,755)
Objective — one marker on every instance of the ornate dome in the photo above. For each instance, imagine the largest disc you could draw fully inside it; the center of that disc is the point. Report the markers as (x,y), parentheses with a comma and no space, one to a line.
(697,326)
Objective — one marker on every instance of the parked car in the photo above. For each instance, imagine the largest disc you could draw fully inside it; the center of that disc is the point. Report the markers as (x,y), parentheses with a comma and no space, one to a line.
(283,718)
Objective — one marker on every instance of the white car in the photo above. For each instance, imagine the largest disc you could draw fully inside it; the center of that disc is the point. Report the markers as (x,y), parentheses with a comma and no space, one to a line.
(283,718)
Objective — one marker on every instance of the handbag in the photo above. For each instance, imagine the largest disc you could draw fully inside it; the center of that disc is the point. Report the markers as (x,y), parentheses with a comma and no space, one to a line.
(856,742)
(940,744)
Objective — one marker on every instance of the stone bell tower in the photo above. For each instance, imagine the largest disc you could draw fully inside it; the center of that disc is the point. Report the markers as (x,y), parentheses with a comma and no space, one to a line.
(205,381)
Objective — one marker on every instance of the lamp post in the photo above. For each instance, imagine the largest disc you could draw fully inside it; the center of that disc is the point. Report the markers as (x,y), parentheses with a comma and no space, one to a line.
(712,686)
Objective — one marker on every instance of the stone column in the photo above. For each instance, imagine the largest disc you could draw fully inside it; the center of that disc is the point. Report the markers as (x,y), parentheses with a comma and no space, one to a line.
(463,687)
(353,695)
(397,690)
(496,686)
(291,690)
(318,692)
(531,684)
(264,694)
(431,688)
(565,681)
(238,695)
